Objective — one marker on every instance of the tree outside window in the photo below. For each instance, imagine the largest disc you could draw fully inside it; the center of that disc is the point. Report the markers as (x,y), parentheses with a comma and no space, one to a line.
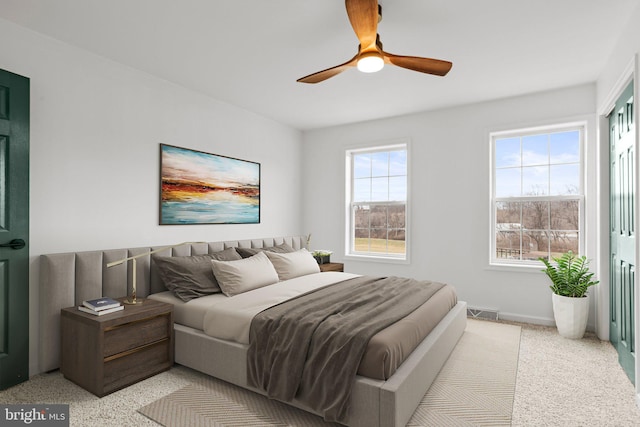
(537,194)
(377,185)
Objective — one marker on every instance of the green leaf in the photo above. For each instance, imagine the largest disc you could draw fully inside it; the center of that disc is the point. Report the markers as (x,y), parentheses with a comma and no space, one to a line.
(570,276)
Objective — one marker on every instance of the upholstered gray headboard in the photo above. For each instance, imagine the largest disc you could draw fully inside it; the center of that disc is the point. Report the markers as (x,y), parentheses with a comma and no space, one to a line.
(67,279)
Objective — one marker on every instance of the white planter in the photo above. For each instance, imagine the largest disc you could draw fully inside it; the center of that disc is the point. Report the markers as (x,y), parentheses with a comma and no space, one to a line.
(571,315)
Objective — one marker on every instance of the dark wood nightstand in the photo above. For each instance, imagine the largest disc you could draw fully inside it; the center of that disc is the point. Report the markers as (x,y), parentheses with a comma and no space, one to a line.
(332,266)
(103,354)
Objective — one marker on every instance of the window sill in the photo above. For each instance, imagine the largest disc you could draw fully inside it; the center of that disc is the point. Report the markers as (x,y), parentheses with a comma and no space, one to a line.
(376,259)
(516,268)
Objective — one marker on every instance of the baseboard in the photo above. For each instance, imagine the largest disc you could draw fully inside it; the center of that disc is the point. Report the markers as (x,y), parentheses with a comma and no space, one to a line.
(535,320)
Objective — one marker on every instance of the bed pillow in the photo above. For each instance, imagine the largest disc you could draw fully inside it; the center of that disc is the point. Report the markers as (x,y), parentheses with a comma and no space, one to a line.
(190,277)
(236,277)
(281,248)
(293,264)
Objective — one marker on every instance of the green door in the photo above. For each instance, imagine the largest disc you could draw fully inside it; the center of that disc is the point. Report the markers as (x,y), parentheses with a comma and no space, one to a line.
(14,229)
(623,190)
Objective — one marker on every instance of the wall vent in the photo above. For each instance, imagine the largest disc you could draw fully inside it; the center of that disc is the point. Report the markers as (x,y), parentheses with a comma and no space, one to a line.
(482,313)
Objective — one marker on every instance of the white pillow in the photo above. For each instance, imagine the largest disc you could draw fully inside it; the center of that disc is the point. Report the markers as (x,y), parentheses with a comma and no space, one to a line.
(236,277)
(293,264)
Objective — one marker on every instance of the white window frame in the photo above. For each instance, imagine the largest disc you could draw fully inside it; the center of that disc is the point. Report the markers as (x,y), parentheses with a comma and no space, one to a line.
(580,126)
(349,220)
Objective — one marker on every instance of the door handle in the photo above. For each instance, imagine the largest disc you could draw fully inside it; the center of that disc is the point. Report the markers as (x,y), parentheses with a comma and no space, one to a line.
(14,244)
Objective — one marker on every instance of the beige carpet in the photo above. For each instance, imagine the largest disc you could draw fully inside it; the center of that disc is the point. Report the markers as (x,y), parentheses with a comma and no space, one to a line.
(475,387)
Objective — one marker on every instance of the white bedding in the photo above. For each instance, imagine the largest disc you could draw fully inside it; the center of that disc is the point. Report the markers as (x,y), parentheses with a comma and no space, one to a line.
(229,318)
(189,313)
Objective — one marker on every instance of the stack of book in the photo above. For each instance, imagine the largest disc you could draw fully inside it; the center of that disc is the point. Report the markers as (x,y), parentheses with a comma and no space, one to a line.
(101,306)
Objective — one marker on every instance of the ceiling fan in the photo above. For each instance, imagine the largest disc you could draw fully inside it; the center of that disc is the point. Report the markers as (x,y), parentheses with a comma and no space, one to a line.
(364,16)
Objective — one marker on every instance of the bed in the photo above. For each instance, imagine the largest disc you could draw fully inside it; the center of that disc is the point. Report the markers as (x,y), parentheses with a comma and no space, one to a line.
(388,400)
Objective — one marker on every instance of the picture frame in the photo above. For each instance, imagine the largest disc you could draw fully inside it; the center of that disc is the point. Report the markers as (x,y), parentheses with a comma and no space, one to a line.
(204,188)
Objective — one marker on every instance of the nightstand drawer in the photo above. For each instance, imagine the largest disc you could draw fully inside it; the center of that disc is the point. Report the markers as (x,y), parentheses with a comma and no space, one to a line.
(127,368)
(136,334)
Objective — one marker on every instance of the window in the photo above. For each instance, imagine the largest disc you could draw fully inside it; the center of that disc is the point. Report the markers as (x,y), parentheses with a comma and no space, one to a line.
(377,202)
(537,194)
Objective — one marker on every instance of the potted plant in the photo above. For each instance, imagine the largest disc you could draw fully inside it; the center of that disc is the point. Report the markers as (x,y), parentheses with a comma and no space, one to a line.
(571,279)
(322,256)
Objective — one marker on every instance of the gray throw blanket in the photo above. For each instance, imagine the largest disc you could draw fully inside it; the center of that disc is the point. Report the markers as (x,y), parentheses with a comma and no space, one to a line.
(310,347)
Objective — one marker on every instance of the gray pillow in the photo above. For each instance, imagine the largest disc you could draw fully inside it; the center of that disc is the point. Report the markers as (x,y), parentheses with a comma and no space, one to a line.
(190,277)
(282,248)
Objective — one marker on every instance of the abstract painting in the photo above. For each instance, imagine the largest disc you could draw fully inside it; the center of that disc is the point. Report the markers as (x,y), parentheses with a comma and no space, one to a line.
(203,188)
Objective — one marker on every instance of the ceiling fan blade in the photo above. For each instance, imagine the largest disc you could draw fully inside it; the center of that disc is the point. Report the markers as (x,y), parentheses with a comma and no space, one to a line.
(329,72)
(424,65)
(363,15)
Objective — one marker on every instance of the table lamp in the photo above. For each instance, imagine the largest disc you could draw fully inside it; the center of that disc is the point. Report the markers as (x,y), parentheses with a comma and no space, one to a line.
(133,298)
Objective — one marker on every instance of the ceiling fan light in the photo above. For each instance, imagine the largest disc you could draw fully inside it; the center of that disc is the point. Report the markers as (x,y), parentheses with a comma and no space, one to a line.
(370,63)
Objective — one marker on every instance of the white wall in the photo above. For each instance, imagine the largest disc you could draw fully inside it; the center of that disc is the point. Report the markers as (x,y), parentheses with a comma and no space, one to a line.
(621,57)
(449,211)
(96,127)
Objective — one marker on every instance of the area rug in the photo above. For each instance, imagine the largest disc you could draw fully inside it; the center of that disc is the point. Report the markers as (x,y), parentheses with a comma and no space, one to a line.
(474,388)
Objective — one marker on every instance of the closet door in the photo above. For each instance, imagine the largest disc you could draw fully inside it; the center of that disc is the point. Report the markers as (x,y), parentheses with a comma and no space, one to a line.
(623,192)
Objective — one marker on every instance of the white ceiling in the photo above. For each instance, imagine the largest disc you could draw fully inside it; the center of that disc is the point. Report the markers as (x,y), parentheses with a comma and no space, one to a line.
(250,52)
